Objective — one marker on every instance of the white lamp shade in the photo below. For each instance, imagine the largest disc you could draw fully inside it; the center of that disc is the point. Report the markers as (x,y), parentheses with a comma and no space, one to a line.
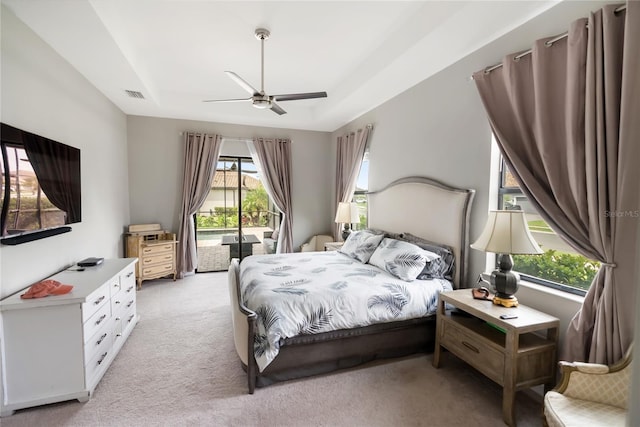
(506,232)
(347,213)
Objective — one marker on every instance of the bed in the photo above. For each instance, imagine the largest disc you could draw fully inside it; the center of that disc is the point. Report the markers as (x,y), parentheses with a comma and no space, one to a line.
(416,206)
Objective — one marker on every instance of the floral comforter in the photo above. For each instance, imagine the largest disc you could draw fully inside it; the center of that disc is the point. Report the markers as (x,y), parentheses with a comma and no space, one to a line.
(314,292)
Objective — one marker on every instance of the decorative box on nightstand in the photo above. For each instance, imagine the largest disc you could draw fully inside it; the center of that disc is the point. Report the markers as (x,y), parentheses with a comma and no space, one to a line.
(333,246)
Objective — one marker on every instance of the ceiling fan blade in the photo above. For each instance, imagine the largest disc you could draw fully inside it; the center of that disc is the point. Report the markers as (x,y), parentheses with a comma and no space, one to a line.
(277,109)
(246,86)
(227,100)
(296,96)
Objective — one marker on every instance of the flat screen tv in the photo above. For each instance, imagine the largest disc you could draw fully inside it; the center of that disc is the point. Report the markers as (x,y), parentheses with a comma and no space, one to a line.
(40,186)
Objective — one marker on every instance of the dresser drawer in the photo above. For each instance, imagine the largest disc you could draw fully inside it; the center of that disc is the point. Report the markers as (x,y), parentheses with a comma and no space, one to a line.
(95,322)
(115,287)
(122,303)
(149,260)
(156,248)
(129,288)
(474,350)
(129,320)
(95,301)
(158,270)
(128,278)
(101,341)
(96,366)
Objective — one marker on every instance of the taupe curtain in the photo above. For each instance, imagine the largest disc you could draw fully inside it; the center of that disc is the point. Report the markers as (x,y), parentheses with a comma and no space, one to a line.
(274,159)
(57,168)
(200,159)
(566,118)
(350,152)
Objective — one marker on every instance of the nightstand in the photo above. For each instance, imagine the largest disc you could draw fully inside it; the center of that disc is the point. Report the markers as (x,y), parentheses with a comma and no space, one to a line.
(333,246)
(516,353)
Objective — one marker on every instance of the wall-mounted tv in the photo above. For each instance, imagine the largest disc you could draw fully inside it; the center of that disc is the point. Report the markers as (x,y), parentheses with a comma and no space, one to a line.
(40,186)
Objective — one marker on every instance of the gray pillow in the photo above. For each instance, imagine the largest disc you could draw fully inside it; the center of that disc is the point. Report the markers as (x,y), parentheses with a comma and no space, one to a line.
(361,244)
(402,259)
(439,268)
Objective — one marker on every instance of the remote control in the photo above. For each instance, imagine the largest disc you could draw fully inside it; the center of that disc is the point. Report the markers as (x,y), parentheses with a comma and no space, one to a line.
(508,316)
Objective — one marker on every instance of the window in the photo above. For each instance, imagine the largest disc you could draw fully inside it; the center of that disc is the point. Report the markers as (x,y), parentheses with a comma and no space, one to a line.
(560,266)
(360,194)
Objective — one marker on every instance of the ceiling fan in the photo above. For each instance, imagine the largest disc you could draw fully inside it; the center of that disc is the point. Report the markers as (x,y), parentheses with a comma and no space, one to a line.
(259,98)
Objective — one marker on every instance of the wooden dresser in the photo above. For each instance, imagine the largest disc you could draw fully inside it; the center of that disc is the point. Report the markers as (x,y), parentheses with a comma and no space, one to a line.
(155,249)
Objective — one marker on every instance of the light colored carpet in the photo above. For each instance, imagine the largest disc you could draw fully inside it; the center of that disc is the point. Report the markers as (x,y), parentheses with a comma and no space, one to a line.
(179,368)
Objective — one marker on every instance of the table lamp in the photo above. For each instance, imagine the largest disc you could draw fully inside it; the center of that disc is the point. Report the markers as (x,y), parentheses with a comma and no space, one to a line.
(347,214)
(506,233)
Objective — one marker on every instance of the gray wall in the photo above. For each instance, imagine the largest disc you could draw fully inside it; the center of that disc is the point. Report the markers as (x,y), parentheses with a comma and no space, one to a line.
(439,129)
(42,93)
(156,159)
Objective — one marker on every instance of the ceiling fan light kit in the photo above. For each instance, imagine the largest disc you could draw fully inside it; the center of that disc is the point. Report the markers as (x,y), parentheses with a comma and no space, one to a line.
(260,99)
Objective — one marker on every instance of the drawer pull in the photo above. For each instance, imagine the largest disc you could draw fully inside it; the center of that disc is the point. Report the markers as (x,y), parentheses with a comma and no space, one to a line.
(131,318)
(101,339)
(117,318)
(102,358)
(117,302)
(168,257)
(118,335)
(129,275)
(99,300)
(116,285)
(130,304)
(130,289)
(470,347)
(100,319)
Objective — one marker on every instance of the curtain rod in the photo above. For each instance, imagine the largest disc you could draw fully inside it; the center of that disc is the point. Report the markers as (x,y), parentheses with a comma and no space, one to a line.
(548,43)
(368,126)
(229,138)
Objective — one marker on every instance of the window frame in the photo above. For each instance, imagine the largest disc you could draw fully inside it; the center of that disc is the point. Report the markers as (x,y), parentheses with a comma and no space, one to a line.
(364,192)
(504,190)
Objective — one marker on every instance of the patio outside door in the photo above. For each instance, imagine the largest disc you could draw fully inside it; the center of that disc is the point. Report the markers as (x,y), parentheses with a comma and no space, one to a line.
(236,217)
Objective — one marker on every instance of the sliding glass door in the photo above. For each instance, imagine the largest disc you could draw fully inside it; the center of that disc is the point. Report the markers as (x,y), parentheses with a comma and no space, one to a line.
(237,218)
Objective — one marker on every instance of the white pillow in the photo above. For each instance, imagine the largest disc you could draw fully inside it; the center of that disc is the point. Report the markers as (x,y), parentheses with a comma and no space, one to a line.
(402,259)
(361,244)
(274,234)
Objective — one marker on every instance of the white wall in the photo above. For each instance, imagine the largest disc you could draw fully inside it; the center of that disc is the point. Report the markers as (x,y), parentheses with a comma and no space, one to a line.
(43,94)
(156,159)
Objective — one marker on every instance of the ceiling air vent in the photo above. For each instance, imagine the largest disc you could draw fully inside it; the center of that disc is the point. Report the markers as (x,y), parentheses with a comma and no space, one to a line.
(134,94)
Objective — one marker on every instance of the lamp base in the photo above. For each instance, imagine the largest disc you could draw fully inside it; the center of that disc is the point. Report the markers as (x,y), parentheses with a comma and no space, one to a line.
(345,232)
(511,301)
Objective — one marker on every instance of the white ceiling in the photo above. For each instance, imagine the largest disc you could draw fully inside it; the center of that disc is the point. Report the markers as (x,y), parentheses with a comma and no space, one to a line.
(175,52)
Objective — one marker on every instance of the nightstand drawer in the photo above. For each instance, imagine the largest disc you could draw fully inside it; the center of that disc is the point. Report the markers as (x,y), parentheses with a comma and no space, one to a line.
(474,350)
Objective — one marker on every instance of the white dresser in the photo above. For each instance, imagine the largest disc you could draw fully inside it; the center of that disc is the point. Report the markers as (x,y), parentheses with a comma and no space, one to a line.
(58,348)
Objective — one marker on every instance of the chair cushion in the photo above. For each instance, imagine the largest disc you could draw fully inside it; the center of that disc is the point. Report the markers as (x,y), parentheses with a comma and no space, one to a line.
(563,411)
(610,389)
